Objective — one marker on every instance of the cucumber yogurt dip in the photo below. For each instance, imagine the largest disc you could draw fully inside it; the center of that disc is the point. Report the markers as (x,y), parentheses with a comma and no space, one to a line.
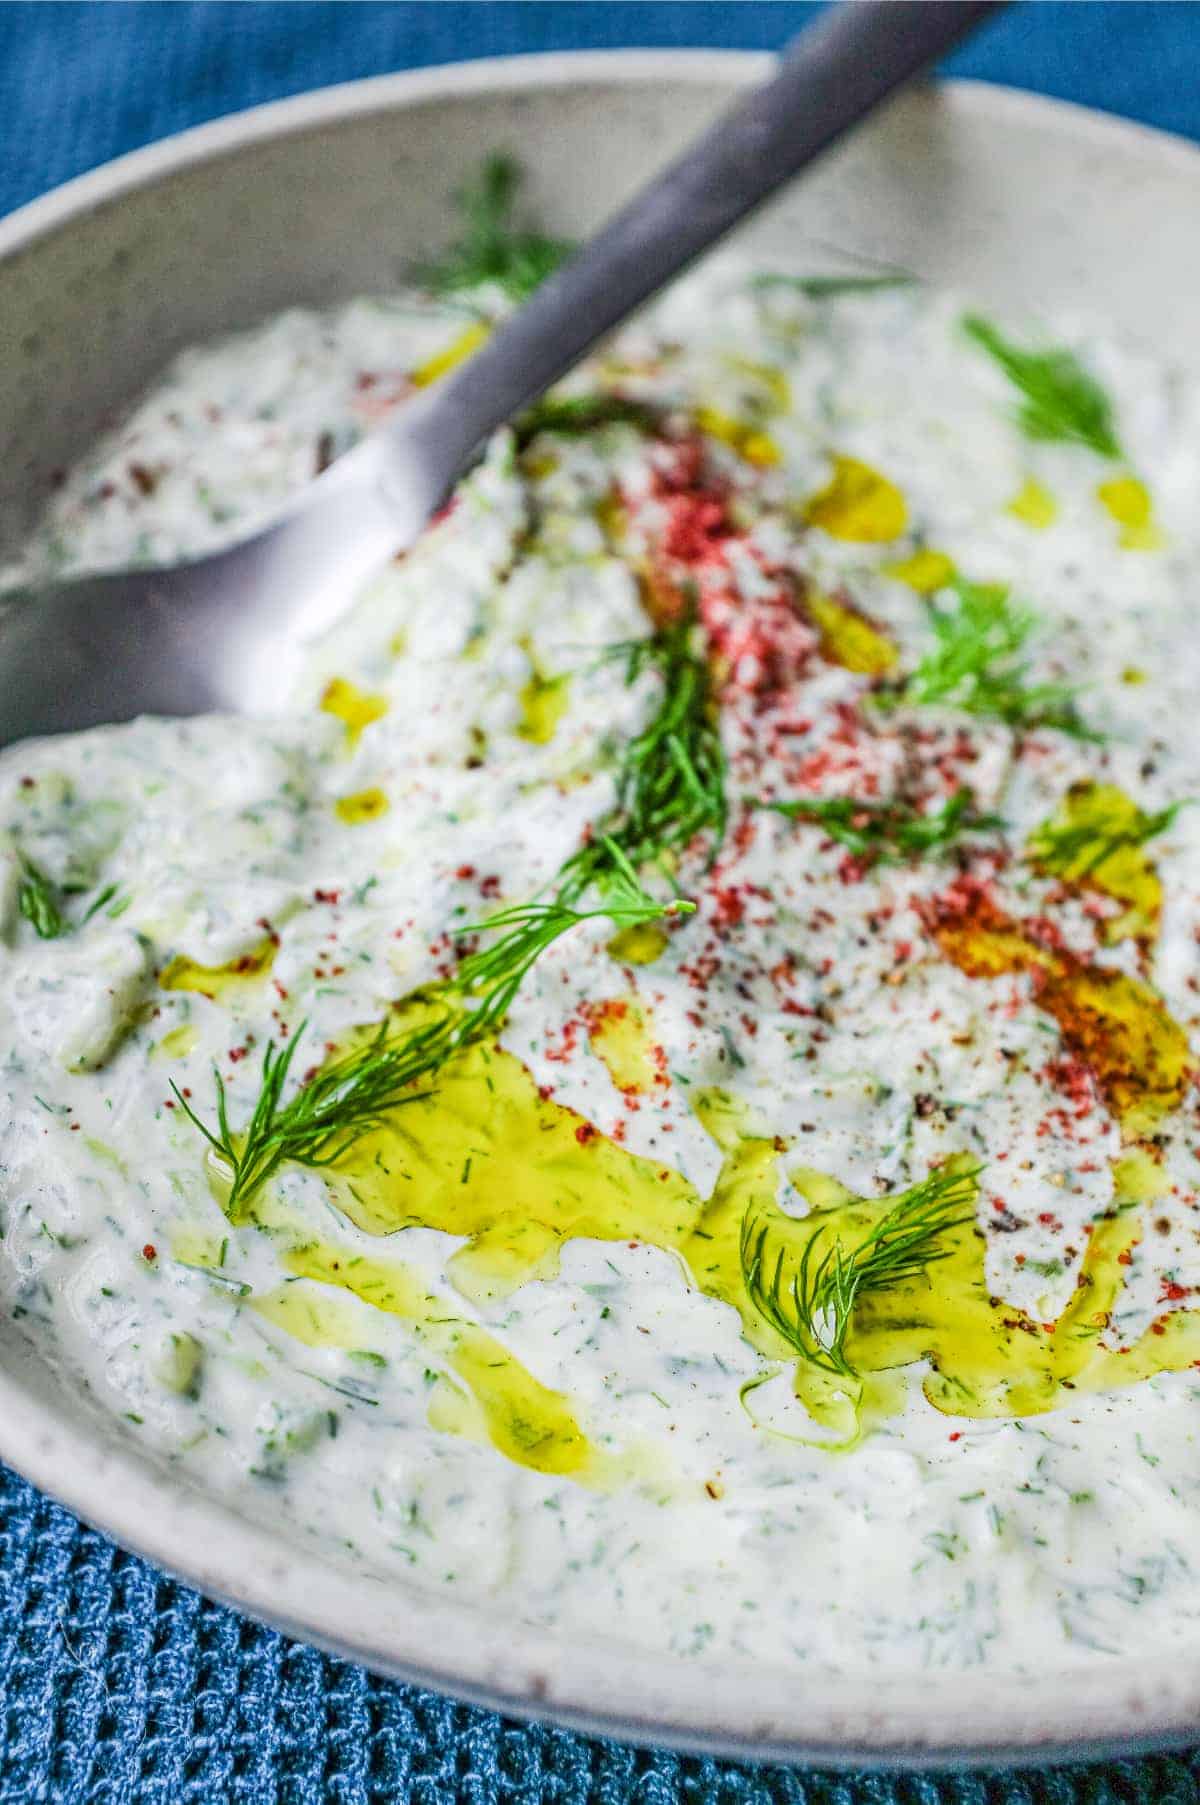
(657,1086)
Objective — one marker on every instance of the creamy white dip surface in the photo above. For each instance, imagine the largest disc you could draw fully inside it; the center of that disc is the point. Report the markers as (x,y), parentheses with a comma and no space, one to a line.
(556,1410)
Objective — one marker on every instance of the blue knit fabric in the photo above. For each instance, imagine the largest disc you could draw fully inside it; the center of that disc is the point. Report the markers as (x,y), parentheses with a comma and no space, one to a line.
(116,1685)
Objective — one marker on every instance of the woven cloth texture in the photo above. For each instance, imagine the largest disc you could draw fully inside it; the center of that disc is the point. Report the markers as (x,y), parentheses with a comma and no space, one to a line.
(117,1685)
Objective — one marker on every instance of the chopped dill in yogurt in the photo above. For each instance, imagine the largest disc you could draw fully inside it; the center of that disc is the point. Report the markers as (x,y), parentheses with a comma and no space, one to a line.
(673,1048)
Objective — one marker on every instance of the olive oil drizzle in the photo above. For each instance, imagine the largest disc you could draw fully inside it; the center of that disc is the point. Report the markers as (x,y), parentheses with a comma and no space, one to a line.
(528,1422)
(484,1156)
(1096,840)
(670,792)
(856,1289)
(245,971)
(1117,1026)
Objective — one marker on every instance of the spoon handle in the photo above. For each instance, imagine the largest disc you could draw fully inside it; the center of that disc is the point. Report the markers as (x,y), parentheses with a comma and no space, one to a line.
(835,72)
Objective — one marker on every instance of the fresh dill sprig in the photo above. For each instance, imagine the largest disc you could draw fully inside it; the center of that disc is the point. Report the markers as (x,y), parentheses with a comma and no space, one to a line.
(884,833)
(1075,849)
(348,1097)
(43,902)
(492,976)
(810,1301)
(324,1117)
(493,248)
(1061,400)
(828,288)
(576,414)
(976,664)
(670,788)
(671,778)
(39,899)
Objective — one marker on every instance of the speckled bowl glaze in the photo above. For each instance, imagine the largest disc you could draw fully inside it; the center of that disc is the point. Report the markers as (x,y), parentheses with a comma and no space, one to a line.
(320,198)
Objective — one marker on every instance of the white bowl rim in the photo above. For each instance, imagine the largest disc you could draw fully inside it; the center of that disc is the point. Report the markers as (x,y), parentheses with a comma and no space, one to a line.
(339,101)
(595,1685)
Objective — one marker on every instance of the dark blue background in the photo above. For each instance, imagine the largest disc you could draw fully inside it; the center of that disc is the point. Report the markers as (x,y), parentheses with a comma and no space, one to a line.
(81,83)
(115,1684)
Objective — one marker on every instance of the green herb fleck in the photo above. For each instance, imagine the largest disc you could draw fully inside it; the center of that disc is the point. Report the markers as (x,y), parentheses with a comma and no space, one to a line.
(976,664)
(670,789)
(1061,401)
(493,248)
(38,899)
(810,1300)
(884,833)
(1075,849)
(829,288)
(574,415)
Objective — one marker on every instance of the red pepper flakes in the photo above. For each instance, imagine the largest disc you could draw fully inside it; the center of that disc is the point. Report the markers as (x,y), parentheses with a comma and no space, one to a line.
(149,1252)
(728,905)
(1044,932)
(696,529)
(1070,1075)
(675,465)
(702,970)
(744,833)
(568,1040)
(585,1133)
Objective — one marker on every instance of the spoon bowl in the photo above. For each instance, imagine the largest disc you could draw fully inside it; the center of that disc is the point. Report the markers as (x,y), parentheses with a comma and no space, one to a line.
(224,632)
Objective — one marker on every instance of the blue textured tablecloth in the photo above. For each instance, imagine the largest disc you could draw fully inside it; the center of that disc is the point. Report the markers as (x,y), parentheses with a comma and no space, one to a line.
(115,1684)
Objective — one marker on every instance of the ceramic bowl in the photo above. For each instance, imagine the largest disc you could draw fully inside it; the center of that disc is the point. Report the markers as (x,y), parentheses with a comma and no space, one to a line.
(314,200)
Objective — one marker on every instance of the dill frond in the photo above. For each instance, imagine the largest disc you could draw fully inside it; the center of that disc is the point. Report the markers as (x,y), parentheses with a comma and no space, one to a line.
(671,778)
(1074,850)
(493,248)
(828,288)
(810,1299)
(573,415)
(38,900)
(977,664)
(884,833)
(347,1097)
(321,1121)
(493,975)
(1061,401)
(670,787)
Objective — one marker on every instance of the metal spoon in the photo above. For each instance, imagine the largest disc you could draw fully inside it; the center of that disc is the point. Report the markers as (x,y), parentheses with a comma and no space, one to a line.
(224,632)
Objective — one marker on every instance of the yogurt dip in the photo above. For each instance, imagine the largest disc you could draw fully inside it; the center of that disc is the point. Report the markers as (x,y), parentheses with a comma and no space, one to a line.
(798,1261)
